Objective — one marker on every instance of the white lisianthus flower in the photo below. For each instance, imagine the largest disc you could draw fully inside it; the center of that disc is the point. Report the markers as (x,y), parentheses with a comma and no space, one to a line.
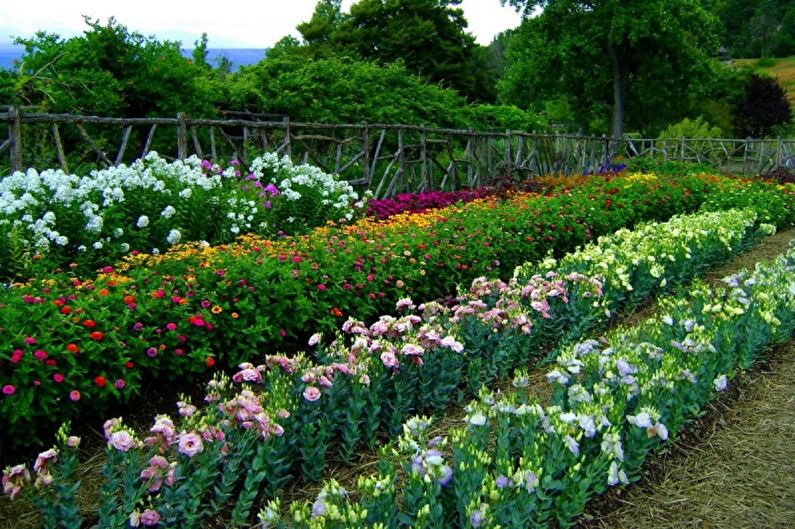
(97,245)
(118,232)
(124,247)
(143,221)
(721,383)
(168,212)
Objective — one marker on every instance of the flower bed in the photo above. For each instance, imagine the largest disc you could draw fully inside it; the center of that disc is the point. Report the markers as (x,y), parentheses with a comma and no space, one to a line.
(152,205)
(369,380)
(422,202)
(517,464)
(84,344)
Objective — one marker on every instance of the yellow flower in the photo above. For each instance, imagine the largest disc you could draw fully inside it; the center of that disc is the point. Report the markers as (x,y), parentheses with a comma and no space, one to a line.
(216,309)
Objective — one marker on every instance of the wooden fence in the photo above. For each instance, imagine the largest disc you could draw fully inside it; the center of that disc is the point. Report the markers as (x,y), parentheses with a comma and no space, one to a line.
(387,159)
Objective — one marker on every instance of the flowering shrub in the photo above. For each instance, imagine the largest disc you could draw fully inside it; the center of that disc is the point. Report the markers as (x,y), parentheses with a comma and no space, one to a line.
(153,205)
(421,202)
(285,413)
(301,197)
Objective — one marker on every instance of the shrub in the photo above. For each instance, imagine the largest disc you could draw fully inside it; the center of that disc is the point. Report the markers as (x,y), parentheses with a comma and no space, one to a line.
(763,106)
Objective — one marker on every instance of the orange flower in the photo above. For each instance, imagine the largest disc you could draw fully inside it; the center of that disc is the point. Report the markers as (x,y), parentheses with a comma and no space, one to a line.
(104,291)
(129,299)
(216,309)
(336,312)
(235,315)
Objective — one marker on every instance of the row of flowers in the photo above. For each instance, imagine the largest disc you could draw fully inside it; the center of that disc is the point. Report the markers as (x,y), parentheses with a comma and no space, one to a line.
(152,205)
(421,202)
(518,463)
(291,412)
(78,345)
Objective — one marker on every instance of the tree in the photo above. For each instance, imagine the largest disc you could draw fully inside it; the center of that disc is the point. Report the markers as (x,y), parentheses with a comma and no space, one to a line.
(428,36)
(110,71)
(757,28)
(642,59)
(763,106)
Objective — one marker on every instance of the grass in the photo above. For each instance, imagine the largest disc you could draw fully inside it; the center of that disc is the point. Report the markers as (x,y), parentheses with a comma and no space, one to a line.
(783,69)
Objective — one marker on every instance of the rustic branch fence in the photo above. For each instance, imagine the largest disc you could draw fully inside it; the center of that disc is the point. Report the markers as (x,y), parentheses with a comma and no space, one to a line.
(387,159)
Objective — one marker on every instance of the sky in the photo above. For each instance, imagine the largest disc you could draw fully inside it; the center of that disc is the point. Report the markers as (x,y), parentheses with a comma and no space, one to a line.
(228,23)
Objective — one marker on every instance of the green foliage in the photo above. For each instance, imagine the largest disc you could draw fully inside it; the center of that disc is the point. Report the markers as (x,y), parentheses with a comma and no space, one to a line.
(763,106)
(649,58)
(110,71)
(342,90)
(429,36)
(757,28)
(687,128)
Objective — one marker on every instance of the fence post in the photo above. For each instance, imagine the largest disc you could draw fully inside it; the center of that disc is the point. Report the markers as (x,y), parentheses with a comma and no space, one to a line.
(15,133)
(182,137)
(287,147)
(508,153)
(779,152)
(366,153)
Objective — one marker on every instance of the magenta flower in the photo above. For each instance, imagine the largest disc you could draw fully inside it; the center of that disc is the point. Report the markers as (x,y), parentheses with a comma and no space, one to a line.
(190,444)
(311,393)
(74,395)
(120,383)
(8,389)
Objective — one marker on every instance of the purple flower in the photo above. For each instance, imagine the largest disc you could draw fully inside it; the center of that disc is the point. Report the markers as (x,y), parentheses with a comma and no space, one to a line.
(502,482)
(150,518)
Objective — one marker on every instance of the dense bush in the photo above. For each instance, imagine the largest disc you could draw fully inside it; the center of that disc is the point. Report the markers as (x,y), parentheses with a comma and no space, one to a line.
(58,219)
(763,105)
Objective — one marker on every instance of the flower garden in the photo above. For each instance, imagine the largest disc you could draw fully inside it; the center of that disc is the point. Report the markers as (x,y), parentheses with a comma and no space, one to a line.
(321,327)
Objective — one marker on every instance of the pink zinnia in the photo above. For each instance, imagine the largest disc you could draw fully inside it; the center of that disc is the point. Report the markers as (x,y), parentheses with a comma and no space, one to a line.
(39,354)
(311,393)
(58,378)
(74,395)
(190,444)
(8,389)
(120,383)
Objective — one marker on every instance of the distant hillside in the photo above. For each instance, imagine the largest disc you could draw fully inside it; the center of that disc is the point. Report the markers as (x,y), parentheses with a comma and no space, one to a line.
(238,56)
(782,69)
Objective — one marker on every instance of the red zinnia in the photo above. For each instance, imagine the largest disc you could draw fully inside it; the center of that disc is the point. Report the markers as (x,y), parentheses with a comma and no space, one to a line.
(209,361)
(100,381)
(97,335)
(89,323)
(65,310)
(72,348)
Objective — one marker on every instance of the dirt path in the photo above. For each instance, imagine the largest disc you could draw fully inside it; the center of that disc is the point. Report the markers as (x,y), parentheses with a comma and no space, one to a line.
(732,469)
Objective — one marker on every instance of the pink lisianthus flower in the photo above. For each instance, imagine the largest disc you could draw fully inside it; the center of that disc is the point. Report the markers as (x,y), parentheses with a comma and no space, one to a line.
(390,360)
(150,518)
(14,478)
(121,440)
(190,444)
(311,393)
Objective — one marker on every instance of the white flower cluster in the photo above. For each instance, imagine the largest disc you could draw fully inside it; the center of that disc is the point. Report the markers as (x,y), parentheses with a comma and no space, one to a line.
(29,200)
(338,195)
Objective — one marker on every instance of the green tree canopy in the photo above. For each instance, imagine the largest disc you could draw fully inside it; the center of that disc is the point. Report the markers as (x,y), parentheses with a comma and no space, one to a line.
(112,72)
(643,61)
(428,36)
(757,28)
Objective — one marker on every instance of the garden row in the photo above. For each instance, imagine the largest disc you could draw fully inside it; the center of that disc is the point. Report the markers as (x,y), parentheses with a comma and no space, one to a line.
(78,346)
(276,421)
(518,464)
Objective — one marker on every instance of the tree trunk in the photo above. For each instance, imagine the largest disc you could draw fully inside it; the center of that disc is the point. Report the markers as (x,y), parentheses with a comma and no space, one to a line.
(619,94)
